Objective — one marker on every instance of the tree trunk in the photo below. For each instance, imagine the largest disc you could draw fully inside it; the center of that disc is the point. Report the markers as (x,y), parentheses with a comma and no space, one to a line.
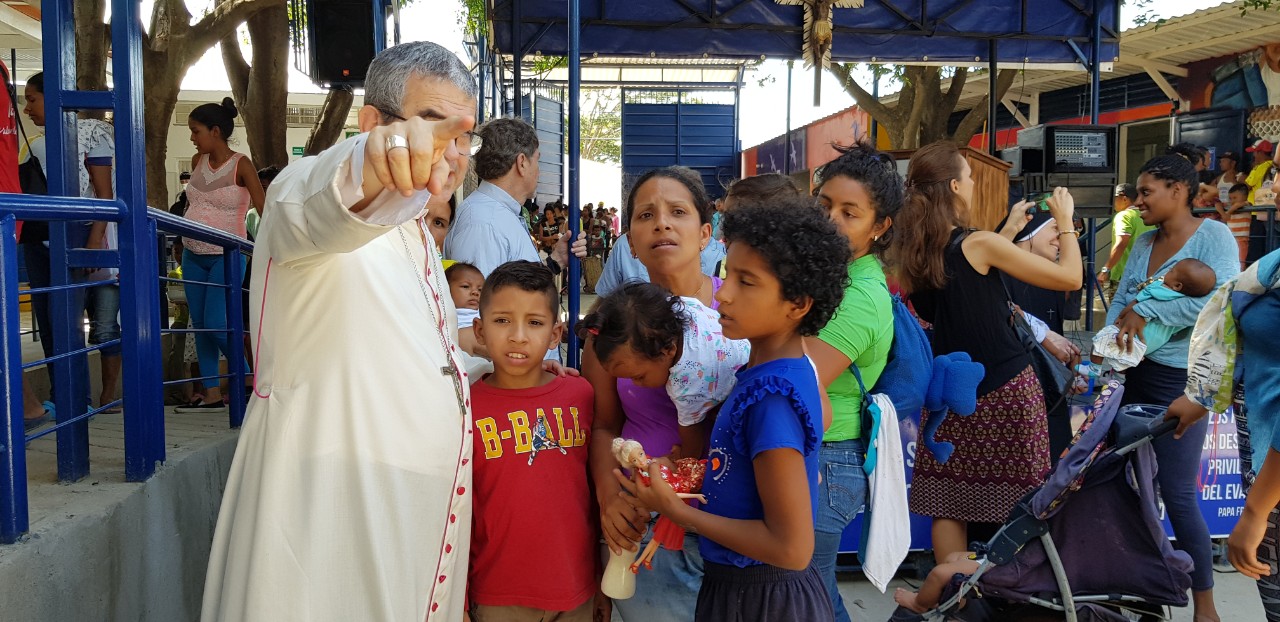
(172,44)
(327,130)
(261,89)
(973,121)
(922,113)
(93,40)
(159,99)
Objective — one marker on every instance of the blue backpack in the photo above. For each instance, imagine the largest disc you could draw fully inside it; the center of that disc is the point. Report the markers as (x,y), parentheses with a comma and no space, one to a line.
(906,375)
(913,379)
(905,379)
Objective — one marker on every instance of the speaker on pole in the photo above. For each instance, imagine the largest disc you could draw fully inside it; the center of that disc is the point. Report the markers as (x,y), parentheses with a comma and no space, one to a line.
(341,40)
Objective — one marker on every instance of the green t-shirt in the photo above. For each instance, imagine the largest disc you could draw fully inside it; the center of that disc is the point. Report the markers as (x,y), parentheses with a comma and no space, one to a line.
(862,330)
(1128,222)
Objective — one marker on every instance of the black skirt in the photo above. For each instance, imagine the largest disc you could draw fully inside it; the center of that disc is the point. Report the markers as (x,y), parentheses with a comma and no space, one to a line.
(762,593)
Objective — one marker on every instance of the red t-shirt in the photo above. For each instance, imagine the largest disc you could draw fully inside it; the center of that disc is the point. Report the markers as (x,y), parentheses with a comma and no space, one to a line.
(533,535)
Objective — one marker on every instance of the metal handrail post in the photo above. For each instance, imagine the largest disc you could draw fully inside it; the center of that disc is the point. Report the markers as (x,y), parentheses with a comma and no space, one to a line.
(13,452)
(139,297)
(233,267)
(574,273)
(70,376)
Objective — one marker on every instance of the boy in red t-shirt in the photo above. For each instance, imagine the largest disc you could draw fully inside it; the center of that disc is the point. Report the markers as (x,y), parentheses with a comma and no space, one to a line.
(534,553)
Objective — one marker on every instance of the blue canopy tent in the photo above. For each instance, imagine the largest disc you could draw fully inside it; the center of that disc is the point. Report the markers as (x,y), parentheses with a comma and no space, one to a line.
(1076,33)
(886,31)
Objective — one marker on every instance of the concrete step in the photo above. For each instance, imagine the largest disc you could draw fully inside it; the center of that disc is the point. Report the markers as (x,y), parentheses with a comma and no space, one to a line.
(106,549)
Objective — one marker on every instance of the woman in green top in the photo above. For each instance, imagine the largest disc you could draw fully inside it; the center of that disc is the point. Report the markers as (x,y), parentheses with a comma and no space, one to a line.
(863,192)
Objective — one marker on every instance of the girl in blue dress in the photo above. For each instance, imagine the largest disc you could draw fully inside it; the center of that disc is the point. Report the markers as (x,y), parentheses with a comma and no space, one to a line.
(787,272)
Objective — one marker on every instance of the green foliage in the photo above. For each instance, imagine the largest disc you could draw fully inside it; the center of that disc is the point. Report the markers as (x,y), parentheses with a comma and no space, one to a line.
(544,64)
(1146,12)
(601,120)
(472,18)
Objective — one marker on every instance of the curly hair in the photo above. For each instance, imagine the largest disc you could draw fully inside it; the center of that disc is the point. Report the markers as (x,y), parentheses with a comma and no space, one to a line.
(529,276)
(683,174)
(932,210)
(644,315)
(1174,169)
(877,173)
(806,251)
(504,140)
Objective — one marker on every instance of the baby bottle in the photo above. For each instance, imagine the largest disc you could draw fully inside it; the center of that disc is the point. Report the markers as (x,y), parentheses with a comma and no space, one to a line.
(619,583)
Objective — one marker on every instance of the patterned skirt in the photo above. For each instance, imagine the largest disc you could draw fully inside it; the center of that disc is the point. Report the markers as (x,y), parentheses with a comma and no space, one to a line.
(1001,452)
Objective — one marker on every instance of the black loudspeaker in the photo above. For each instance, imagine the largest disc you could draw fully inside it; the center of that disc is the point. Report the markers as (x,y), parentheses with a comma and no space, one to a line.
(341,40)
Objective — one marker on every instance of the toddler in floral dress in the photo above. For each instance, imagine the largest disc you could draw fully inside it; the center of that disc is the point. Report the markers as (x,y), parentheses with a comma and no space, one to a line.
(655,339)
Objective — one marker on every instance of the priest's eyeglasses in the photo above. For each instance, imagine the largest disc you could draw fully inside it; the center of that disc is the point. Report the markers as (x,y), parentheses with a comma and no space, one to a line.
(469,143)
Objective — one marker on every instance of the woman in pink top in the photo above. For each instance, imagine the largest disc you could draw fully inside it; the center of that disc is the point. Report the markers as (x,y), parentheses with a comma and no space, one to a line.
(223,184)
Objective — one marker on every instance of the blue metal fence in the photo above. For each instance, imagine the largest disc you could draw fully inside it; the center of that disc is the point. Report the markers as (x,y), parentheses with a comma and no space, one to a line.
(136,259)
(700,136)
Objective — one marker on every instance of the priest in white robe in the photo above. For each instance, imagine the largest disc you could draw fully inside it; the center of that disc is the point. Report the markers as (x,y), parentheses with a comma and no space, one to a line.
(349,496)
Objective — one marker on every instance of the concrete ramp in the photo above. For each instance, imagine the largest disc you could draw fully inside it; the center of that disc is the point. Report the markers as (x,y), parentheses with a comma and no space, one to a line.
(103,549)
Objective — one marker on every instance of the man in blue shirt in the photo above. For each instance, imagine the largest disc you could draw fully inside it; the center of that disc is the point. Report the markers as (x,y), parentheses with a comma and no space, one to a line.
(487,230)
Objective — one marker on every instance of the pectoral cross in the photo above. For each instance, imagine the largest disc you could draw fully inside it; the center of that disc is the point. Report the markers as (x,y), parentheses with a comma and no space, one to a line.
(452,372)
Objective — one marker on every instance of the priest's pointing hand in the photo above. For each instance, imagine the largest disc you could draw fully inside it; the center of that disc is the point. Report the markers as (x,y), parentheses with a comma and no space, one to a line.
(414,154)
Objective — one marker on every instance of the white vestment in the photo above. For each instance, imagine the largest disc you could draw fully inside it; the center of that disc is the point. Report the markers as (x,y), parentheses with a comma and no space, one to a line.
(349,497)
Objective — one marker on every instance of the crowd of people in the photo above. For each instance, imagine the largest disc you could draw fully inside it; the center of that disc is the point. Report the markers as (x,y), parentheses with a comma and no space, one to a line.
(739,335)
(414,449)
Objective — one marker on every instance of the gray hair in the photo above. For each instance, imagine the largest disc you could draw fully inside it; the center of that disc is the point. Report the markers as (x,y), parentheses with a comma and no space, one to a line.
(505,138)
(392,68)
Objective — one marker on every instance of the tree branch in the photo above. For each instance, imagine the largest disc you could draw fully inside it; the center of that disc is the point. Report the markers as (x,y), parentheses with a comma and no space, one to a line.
(865,101)
(221,22)
(907,96)
(972,122)
(952,97)
(927,93)
(237,66)
(333,115)
(165,17)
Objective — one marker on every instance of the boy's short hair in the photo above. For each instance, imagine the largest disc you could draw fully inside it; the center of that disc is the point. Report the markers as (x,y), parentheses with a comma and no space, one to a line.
(529,276)
(458,269)
(1239,189)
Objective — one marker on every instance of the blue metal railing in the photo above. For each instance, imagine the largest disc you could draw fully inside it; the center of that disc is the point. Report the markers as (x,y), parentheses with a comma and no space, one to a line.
(136,259)
(143,404)
(234,251)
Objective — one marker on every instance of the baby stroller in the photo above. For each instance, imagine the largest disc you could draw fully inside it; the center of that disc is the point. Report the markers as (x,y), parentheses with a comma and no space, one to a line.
(1088,543)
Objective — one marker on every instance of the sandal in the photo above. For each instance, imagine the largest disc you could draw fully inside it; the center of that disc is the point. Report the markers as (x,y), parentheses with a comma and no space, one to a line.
(200,406)
(31,425)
